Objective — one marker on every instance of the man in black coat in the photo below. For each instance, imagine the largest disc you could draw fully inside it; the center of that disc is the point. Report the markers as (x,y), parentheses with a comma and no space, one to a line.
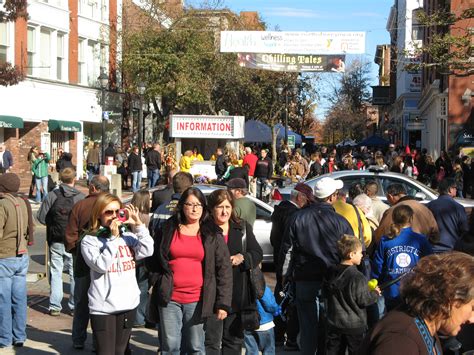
(300,197)
(263,171)
(221,165)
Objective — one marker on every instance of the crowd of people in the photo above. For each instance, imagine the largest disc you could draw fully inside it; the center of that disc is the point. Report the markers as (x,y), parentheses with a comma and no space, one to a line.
(184,265)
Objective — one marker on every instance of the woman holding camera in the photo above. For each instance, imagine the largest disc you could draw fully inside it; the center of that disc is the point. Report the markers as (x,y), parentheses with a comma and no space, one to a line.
(194,276)
(229,331)
(111,251)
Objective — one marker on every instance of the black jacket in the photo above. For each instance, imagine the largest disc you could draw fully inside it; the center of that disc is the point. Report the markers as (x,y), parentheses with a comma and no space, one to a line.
(153,160)
(239,172)
(216,290)
(161,196)
(264,168)
(254,250)
(64,162)
(221,166)
(347,296)
(314,232)
(280,216)
(134,162)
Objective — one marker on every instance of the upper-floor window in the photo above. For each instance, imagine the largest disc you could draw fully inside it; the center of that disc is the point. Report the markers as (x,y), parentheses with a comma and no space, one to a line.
(60,54)
(31,49)
(3,41)
(416,26)
(45,53)
(82,69)
(95,9)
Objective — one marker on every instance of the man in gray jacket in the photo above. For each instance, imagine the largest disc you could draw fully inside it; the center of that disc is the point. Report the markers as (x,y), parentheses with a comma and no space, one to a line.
(54,213)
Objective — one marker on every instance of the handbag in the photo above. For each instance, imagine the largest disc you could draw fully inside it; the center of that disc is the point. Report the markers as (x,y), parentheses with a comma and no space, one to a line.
(255,274)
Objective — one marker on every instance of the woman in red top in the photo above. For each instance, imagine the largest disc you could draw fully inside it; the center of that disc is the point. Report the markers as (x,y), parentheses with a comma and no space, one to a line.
(194,276)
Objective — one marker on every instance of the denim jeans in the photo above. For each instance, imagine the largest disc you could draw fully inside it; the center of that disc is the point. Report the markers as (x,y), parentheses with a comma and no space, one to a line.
(142,280)
(263,341)
(181,320)
(153,176)
(13,300)
(59,259)
(81,309)
(41,182)
(309,311)
(136,180)
(91,171)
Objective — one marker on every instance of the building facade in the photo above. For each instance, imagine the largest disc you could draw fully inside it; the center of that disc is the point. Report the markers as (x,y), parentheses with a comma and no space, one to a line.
(406,35)
(62,49)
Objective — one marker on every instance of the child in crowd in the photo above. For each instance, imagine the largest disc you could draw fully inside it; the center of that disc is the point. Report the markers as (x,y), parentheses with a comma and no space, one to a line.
(347,295)
(398,253)
(263,339)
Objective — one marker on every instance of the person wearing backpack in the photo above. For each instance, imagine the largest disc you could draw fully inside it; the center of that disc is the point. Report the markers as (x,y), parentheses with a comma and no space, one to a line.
(54,213)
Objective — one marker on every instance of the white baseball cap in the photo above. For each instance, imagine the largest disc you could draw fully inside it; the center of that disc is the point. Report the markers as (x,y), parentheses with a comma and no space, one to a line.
(326,187)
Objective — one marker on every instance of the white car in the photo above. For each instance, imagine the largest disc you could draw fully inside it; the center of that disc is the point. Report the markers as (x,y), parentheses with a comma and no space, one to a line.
(261,228)
(413,187)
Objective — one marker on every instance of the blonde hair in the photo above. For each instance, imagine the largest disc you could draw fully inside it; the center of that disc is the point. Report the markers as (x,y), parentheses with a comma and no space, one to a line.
(102,201)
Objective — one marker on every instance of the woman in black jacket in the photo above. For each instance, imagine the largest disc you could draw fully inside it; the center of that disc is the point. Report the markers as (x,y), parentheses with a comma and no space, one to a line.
(229,331)
(193,276)
(135,168)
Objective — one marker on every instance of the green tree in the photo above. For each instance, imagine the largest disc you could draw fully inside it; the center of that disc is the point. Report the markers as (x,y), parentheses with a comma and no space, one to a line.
(349,95)
(448,46)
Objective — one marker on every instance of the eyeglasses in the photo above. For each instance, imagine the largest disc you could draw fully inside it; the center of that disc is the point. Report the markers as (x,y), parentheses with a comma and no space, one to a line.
(111,212)
(193,205)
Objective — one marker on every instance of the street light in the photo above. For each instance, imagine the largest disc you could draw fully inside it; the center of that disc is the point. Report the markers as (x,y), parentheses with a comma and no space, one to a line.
(103,81)
(141,91)
(294,90)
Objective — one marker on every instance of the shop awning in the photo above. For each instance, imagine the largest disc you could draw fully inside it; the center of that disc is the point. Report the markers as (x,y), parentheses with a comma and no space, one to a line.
(11,122)
(65,126)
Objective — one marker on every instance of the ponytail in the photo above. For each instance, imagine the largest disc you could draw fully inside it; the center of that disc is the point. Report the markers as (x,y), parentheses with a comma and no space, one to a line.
(393,230)
(401,216)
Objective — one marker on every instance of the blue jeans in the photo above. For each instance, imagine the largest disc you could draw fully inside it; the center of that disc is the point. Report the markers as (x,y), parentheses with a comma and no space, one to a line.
(181,320)
(142,280)
(41,182)
(91,171)
(153,176)
(81,309)
(13,300)
(309,311)
(59,259)
(136,180)
(263,341)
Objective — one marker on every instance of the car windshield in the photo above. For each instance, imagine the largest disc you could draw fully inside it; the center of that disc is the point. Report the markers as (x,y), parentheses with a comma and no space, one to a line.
(416,182)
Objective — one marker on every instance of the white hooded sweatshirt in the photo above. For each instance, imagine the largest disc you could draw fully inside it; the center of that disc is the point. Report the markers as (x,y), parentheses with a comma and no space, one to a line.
(114,287)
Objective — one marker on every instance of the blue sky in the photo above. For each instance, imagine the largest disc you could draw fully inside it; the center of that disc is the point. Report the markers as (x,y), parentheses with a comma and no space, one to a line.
(322,15)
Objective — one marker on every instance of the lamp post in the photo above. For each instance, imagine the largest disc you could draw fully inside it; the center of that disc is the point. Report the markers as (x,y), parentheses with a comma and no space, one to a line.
(141,92)
(294,90)
(103,81)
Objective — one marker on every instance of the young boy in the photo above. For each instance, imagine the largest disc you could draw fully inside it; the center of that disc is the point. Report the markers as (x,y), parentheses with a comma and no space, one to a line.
(263,339)
(347,295)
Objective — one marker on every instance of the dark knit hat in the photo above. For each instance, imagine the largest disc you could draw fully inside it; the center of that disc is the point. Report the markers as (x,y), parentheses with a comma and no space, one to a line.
(9,183)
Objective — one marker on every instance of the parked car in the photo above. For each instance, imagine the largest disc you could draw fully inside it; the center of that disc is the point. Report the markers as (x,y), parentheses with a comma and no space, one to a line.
(383,179)
(261,228)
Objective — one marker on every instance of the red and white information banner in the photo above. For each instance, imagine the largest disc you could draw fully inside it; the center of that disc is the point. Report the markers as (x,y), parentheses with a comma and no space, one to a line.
(199,126)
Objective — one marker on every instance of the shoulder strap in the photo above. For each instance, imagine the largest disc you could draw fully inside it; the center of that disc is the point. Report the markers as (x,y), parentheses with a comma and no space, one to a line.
(359,222)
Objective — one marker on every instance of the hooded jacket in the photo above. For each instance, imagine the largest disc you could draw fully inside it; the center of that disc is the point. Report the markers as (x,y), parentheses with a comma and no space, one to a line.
(112,259)
(46,205)
(347,296)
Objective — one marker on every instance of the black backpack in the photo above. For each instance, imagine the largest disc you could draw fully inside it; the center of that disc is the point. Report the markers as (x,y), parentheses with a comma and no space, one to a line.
(58,216)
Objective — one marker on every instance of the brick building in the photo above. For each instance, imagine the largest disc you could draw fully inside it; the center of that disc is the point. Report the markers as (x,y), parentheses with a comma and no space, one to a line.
(62,49)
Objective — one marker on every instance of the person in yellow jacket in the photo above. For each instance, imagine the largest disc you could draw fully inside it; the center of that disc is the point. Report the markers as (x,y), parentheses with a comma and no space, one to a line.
(185,161)
(355,216)
(196,155)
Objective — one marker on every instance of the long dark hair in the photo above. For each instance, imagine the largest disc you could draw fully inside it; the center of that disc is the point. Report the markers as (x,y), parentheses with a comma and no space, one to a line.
(179,212)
